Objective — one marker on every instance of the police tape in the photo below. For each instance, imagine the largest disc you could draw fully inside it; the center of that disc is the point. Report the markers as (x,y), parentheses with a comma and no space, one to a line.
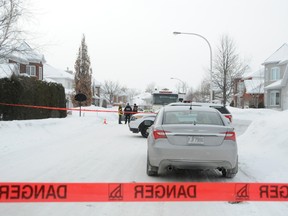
(63,109)
(142,192)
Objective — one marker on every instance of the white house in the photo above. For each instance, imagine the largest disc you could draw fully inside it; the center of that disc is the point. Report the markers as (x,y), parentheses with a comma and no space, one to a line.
(66,78)
(96,91)
(276,78)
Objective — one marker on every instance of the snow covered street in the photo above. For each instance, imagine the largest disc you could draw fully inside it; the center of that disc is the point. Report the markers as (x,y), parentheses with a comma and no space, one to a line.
(87,150)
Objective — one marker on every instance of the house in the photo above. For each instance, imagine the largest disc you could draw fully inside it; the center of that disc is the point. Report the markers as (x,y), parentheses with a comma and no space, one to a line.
(66,78)
(120,98)
(249,90)
(96,92)
(28,61)
(276,78)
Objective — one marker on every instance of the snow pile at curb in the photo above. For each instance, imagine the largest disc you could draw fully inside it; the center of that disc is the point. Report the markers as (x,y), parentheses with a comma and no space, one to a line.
(265,144)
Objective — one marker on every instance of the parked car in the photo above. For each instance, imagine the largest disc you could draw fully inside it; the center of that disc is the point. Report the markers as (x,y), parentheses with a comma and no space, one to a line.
(221,108)
(140,122)
(191,137)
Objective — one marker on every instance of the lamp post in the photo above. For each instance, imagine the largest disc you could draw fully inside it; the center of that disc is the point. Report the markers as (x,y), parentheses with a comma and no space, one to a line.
(181,95)
(211,91)
(183,84)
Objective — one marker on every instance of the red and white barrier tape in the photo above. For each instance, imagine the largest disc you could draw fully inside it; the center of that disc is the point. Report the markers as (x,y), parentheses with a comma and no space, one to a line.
(141,192)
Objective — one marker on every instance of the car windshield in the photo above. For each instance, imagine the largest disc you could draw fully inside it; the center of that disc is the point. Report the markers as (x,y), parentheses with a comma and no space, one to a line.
(221,109)
(192,117)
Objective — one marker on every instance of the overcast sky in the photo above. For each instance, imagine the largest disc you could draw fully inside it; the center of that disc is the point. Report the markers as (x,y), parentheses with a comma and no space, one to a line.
(131,41)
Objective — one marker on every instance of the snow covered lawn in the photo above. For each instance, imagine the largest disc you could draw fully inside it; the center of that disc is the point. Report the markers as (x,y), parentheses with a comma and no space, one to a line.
(87,150)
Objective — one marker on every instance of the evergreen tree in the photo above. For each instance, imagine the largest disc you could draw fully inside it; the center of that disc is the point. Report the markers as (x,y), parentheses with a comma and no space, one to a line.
(83,74)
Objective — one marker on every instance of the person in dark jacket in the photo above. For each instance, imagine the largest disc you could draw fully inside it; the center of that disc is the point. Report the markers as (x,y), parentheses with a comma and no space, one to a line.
(127,113)
(135,109)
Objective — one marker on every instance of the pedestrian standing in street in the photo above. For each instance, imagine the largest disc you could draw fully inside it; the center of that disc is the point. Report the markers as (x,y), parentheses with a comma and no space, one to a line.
(127,113)
(135,109)
(120,113)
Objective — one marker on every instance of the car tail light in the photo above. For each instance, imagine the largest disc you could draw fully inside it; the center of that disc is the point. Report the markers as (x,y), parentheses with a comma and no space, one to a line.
(229,117)
(231,135)
(159,134)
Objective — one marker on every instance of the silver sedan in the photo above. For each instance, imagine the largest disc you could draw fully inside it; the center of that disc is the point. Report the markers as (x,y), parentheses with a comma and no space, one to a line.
(184,137)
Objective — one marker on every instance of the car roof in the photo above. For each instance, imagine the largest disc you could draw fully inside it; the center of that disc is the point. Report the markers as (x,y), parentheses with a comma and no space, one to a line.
(180,108)
(220,107)
(196,104)
(144,114)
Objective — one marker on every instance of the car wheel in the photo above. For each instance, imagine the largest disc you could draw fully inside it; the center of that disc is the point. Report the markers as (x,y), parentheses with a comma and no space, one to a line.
(144,131)
(230,173)
(151,170)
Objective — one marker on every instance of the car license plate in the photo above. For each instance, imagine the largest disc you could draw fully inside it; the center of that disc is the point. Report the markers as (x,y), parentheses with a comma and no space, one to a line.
(195,140)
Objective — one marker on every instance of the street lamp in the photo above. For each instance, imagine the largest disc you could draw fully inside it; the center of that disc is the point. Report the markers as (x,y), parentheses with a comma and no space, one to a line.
(182,94)
(211,91)
(183,84)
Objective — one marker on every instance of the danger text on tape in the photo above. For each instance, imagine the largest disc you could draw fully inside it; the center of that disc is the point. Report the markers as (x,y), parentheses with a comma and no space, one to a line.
(141,192)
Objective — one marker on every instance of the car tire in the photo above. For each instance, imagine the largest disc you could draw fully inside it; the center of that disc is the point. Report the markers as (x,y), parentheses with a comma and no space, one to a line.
(151,170)
(144,131)
(230,173)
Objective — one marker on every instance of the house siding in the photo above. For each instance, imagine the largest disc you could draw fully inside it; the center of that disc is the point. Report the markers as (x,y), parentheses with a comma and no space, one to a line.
(282,89)
(268,69)
(285,98)
(278,59)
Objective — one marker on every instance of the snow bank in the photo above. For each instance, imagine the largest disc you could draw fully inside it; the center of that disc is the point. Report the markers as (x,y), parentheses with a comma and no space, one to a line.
(250,114)
(263,147)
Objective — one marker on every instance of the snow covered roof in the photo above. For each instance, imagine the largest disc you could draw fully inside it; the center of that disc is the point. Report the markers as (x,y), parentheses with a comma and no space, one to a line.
(6,70)
(255,74)
(142,98)
(26,54)
(254,86)
(275,85)
(280,56)
(51,72)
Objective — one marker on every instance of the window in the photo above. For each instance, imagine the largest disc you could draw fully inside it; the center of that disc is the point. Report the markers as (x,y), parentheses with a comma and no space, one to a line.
(192,117)
(274,98)
(275,73)
(31,70)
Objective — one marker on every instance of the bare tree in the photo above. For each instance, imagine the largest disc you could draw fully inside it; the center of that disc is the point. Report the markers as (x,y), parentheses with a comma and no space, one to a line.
(190,95)
(202,94)
(131,93)
(227,66)
(110,89)
(182,87)
(150,87)
(10,35)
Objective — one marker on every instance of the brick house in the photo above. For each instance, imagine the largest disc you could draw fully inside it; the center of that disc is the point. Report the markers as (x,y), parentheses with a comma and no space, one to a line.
(248,90)
(28,61)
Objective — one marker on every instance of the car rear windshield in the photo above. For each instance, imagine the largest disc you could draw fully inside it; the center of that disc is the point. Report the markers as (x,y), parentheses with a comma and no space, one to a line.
(192,117)
(221,109)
